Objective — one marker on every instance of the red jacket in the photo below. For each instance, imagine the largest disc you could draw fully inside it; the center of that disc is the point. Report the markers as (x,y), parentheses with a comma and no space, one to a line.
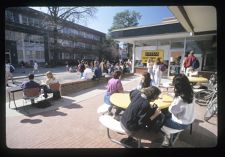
(188,61)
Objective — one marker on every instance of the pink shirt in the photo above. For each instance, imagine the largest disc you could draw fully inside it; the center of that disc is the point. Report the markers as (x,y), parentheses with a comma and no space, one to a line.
(114,86)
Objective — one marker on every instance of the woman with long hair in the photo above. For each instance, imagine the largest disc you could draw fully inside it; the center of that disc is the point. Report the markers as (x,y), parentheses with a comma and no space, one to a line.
(182,107)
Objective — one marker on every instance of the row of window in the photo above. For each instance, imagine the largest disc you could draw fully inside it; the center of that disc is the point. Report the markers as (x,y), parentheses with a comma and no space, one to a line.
(66,55)
(31,55)
(19,37)
(74,44)
(40,24)
(35,41)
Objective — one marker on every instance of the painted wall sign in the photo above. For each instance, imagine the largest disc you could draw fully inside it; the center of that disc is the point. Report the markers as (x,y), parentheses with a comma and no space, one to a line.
(154,54)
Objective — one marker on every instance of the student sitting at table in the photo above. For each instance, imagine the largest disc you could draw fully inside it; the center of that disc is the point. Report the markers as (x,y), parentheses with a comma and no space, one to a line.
(114,86)
(182,107)
(50,80)
(140,113)
(145,81)
(30,84)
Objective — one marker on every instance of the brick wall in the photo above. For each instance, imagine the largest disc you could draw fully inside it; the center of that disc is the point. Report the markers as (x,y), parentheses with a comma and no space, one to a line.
(75,86)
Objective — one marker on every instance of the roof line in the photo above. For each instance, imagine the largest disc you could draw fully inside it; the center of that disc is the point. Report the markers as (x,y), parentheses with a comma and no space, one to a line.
(128,28)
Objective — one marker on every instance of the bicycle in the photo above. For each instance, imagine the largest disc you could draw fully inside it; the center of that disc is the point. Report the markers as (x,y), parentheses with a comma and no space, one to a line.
(211,109)
(205,95)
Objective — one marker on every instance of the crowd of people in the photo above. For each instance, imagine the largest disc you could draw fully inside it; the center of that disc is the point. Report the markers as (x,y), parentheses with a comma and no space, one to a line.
(138,117)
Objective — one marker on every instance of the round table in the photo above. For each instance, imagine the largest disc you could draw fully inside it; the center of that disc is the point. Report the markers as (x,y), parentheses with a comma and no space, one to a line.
(122,100)
(198,79)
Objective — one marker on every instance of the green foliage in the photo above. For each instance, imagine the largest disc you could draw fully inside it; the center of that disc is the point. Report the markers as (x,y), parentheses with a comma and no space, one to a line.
(125,19)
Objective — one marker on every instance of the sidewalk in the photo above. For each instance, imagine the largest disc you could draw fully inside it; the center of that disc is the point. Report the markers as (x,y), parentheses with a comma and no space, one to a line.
(42,70)
(72,122)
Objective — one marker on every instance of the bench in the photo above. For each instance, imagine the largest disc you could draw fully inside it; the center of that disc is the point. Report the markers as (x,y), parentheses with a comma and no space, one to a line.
(111,124)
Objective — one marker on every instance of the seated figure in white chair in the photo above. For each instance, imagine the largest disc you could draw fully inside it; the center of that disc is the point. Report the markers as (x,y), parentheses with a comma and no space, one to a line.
(181,109)
(46,85)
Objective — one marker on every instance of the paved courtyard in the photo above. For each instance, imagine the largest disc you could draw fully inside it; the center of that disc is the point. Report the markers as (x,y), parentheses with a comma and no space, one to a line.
(72,122)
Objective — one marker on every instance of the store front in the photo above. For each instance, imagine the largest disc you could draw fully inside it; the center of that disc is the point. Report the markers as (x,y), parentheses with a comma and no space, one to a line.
(172,39)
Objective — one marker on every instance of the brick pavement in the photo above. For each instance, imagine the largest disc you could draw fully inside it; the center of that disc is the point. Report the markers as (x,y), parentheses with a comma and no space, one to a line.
(72,122)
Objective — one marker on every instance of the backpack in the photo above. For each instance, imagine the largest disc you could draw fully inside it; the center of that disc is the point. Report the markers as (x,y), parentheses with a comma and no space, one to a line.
(12,69)
(195,64)
(162,67)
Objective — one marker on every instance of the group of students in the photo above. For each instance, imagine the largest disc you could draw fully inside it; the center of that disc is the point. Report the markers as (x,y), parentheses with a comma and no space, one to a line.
(139,115)
(50,79)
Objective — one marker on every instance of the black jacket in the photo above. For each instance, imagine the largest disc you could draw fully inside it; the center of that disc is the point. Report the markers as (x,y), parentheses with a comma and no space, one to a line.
(138,113)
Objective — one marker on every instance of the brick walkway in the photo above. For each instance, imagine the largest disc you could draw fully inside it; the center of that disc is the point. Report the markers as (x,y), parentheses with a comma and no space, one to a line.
(72,122)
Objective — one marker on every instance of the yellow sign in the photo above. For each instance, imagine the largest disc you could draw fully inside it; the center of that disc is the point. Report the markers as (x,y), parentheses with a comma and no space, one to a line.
(154,54)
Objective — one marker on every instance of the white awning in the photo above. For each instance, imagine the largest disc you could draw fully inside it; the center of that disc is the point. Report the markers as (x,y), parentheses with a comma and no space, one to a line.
(196,19)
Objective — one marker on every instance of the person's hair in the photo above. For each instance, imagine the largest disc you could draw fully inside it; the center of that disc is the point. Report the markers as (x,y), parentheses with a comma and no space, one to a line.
(158,61)
(50,75)
(147,80)
(151,92)
(31,76)
(117,74)
(149,60)
(182,88)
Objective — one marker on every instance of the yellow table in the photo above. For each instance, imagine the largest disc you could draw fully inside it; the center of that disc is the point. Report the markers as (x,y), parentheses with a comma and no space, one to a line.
(122,100)
(192,79)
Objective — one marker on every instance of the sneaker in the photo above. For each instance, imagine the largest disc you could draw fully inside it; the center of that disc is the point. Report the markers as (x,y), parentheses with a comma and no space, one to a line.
(130,141)
(166,141)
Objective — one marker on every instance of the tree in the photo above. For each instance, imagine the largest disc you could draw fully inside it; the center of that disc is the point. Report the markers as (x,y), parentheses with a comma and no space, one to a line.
(58,15)
(123,20)
(109,48)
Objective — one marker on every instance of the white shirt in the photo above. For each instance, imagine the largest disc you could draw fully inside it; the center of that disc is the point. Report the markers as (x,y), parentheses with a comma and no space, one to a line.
(87,74)
(35,65)
(7,67)
(182,112)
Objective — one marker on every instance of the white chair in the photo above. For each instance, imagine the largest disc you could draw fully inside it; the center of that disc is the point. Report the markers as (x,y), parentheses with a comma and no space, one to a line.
(111,124)
(171,132)
(103,108)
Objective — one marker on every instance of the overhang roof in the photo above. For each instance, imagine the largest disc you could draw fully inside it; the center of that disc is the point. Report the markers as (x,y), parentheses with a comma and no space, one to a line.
(152,32)
(196,19)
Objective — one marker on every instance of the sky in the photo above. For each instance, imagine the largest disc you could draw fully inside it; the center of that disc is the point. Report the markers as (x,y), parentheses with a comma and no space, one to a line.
(104,16)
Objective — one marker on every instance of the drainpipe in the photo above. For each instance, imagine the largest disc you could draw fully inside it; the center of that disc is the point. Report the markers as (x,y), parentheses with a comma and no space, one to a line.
(133,57)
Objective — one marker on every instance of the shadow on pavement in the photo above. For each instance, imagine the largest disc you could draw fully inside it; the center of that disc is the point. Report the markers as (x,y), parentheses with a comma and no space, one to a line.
(200,137)
(50,109)
(32,121)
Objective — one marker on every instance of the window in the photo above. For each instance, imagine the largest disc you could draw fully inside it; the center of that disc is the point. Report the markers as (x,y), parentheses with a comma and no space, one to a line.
(177,44)
(24,20)
(9,16)
(205,49)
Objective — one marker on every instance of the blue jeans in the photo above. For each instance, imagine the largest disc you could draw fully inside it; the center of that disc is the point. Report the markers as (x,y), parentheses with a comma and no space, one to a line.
(174,125)
(106,99)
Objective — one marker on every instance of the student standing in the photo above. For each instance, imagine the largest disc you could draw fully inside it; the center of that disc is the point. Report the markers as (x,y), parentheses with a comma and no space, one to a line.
(150,65)
(8,73)
(157,72)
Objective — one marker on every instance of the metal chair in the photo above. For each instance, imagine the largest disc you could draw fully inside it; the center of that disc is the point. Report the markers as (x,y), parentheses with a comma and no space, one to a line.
(55,87)
(31,94)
